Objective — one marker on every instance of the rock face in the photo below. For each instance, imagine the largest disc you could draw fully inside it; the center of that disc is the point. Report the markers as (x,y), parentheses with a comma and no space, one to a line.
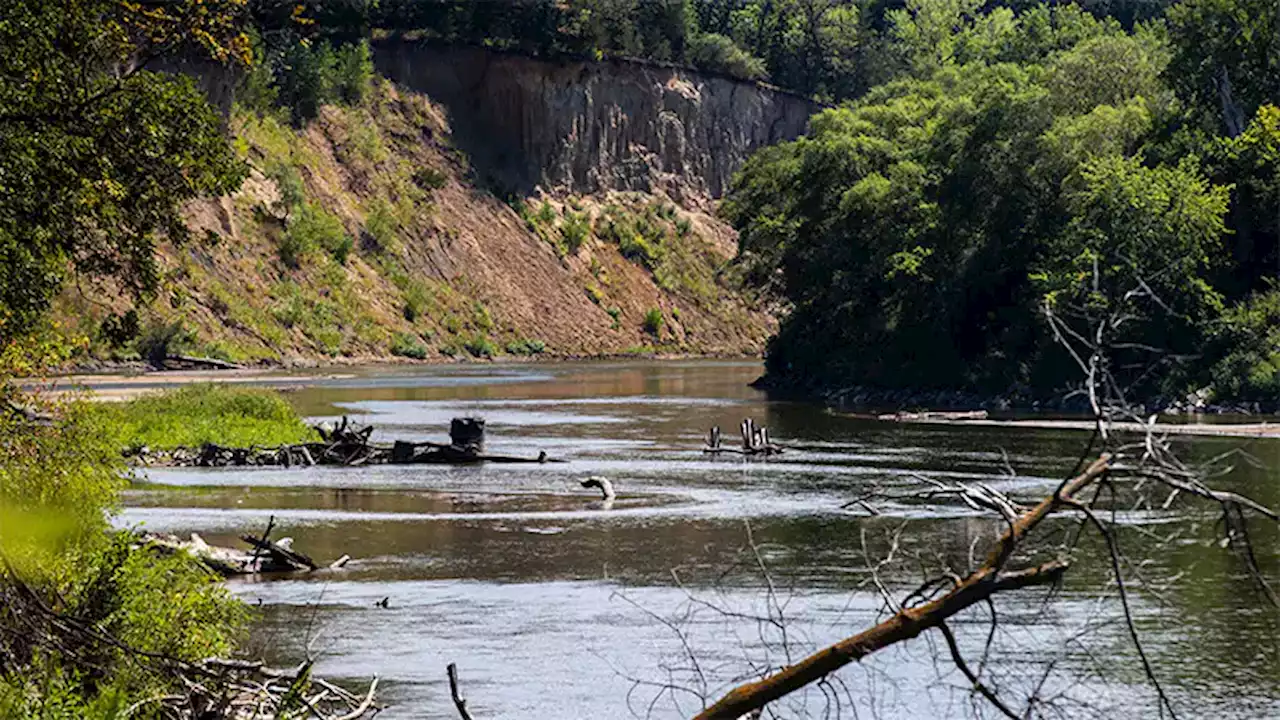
(587,127)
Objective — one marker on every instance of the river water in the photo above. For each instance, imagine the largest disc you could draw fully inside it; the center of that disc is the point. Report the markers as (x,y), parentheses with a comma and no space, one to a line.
(706,570)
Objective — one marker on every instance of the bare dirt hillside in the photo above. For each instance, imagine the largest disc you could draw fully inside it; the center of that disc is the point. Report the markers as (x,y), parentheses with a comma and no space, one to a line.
(365,235)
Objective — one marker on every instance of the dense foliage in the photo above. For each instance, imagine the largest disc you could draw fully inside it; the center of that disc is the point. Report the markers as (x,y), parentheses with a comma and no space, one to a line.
(99,149)
(59,481)
(1027,166)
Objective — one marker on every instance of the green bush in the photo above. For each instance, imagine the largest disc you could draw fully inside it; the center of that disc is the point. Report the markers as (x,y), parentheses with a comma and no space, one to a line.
(653,321)
(546,213)
(406,345)
(615,312)
(575,230)
(429,178)
(526,347)
(303,80)
(637,249)
(480,346)
(683,226)
(352,72)
(289,184)
(291,307)
(382,226)
(311,228)
(711,51)
(59,485)
(415,300)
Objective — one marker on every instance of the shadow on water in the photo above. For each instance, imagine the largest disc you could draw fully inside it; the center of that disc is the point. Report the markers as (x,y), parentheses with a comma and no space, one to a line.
(553,604)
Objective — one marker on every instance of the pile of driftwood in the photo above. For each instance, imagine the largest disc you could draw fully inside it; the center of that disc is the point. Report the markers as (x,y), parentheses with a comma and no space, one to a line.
(266,555)
(246,690)
(347,444)
(223,688)
(755,441)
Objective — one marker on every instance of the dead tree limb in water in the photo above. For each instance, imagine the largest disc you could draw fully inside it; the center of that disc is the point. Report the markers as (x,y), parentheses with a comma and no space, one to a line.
(1124,477)
(458,702)
(989,579)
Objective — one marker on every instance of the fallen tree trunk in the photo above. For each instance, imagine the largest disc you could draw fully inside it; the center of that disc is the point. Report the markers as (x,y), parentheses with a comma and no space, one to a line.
(204,362)
(907,623)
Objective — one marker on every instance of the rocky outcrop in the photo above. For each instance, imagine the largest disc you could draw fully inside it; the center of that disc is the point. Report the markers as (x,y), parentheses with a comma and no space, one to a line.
(584,127)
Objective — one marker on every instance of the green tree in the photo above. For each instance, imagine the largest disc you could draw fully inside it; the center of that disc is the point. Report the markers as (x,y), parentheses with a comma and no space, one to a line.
(1227,59)
(98,151)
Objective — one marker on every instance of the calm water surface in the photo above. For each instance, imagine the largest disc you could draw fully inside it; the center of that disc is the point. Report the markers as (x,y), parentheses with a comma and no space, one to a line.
(555,605)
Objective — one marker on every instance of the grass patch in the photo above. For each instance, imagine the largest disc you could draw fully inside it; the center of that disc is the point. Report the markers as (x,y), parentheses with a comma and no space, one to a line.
(196,414)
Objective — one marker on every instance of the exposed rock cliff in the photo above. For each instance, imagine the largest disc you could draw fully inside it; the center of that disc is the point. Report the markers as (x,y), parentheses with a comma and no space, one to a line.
(584,127)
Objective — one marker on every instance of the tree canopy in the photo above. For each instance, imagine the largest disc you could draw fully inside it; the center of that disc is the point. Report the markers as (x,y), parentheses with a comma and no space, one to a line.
(1021,165)
(98,149)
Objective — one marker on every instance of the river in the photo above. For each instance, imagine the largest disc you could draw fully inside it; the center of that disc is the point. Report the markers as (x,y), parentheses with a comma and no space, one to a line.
(555,604)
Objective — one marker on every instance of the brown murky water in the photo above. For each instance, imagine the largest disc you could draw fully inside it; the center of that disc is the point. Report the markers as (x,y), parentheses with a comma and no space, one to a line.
(555,605)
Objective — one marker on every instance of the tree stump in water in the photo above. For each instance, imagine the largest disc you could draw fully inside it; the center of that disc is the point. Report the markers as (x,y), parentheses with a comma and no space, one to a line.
(467,435)
(402,452)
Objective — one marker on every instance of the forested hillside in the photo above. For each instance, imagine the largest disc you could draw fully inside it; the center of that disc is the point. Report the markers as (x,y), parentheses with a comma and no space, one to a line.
(1028,179)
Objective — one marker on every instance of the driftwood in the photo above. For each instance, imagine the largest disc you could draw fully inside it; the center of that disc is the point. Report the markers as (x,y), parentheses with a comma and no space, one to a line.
(346,444)
(203,362)
(267,556)
(992,577)
(933,415)
(755,441)
(458,702)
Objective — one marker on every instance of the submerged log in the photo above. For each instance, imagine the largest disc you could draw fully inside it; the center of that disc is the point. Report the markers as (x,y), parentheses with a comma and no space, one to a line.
(228,562)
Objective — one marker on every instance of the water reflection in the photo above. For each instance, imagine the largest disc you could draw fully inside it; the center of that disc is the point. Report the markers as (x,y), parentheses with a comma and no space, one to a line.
(549,602)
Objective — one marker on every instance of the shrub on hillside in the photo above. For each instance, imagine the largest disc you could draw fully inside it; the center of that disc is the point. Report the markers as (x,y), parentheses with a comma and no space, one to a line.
(406,345)
(525,346)
(653,321)
(480,346)
(711,51)
(311,228)
(352,72)
(575,230)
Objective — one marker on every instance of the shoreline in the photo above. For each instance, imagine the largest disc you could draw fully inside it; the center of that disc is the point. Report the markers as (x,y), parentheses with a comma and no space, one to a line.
(1255,430)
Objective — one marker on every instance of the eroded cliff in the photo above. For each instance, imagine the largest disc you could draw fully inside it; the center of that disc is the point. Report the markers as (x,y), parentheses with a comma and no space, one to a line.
(587,127)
